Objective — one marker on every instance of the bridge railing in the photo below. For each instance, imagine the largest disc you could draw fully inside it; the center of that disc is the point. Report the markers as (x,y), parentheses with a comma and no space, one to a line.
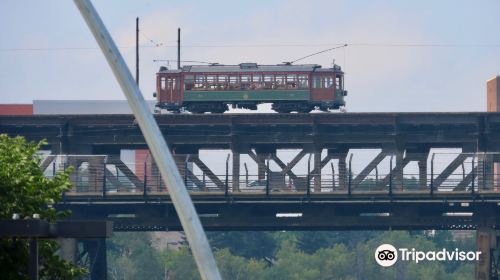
(109,175)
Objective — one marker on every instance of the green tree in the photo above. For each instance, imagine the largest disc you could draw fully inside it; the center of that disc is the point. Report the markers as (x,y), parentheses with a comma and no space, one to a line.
(248,244)
(239,268)
(327,263)
(180,264)
(344,260)
(131,255)
(25,190)
(311,241)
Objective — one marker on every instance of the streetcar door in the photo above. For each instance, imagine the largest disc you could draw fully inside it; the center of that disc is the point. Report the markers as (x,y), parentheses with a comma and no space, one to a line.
(173,89)
(322,87)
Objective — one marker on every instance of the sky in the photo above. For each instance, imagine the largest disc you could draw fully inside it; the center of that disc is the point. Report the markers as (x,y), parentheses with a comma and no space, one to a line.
(401,55)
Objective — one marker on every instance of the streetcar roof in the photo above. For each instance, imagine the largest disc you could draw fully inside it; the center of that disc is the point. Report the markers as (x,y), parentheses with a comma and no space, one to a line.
(250,68)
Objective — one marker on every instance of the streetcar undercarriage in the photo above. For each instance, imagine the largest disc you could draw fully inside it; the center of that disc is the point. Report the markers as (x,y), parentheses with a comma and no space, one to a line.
(221,107)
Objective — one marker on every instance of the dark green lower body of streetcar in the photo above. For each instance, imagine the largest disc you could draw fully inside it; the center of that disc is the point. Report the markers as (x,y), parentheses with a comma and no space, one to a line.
(284,101)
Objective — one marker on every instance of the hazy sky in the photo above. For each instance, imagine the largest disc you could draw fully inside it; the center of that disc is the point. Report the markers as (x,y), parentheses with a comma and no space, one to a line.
(402,55)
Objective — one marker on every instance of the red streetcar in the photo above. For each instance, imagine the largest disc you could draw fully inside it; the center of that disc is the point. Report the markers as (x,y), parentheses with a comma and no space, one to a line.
(210,88)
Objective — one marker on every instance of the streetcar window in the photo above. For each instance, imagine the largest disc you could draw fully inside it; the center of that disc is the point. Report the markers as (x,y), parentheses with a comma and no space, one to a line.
(256,78)
(317,82)
(211,82)
(222,79)
(234,82)
(280,82)
(327,82)
(257,82)
(291,81)
(210,79)
(162,83)
(303,81)
(338,82)
(245,82)
(245,78)
(188,82)
(199,81)
(268,81)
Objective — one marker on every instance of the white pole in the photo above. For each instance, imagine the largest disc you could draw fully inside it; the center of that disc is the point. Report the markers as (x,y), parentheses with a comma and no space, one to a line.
(157,144)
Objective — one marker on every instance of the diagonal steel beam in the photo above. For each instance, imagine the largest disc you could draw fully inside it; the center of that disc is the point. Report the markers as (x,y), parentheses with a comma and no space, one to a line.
(257,159)
(294,161)
(324,161)
(368,168)
(283,166)
(47,161)
(116,161)
(449,169)
(113,180)
(398,168)
(466,181)
(195,180)
(204,168)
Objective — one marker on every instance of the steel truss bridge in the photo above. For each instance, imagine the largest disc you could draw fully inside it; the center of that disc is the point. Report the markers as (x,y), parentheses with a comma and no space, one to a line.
(318,189)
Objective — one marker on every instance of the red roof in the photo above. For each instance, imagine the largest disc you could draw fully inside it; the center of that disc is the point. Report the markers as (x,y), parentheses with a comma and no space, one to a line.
(16,109)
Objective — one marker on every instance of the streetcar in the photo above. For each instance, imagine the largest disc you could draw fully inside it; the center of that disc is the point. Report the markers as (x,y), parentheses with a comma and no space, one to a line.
(211,88)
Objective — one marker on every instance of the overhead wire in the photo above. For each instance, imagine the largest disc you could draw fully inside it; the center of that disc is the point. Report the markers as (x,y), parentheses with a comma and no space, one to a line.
(157,44)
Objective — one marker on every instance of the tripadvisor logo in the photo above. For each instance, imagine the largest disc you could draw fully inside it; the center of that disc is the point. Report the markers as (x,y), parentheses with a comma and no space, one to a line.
(387,255)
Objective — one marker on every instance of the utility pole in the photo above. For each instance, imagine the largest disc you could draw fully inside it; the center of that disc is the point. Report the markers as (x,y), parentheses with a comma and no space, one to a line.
(137,50)
(178,48)
(183,204)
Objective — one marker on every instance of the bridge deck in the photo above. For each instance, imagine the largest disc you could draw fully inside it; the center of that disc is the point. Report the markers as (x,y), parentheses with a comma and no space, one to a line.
(408,136)
(105,132)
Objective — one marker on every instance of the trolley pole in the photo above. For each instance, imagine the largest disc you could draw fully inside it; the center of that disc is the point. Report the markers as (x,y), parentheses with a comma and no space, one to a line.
(137,50)
(178,48)
(156,143)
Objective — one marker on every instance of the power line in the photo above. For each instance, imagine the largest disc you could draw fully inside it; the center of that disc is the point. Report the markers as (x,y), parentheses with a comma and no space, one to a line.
(156,44)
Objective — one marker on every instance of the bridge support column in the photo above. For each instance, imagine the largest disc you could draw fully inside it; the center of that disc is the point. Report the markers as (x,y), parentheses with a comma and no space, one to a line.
(261,166)
(317,170)
(341,155)
(95,171)
(97,166)
(154,180)
(422,173)
(260,157)
(399,170)
(420,155)
(485,171)
(236,171)
(486,243)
